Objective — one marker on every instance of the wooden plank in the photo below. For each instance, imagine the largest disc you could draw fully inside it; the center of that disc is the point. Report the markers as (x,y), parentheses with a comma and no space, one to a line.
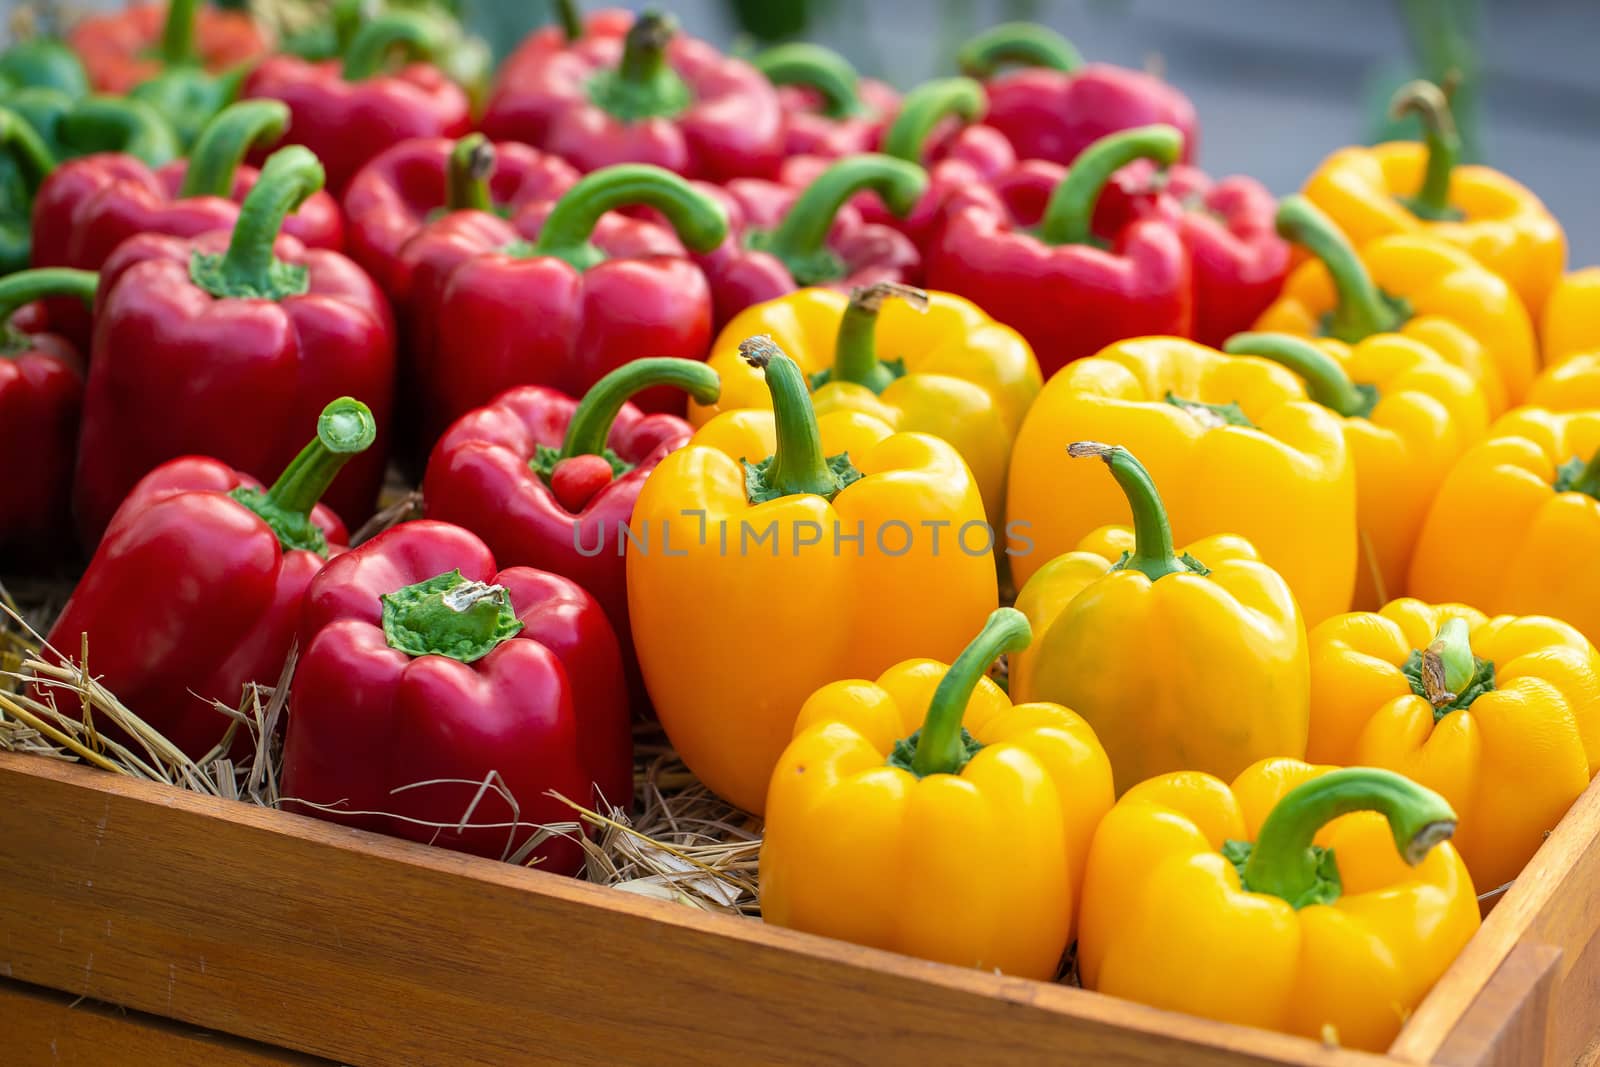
(341,944)
(44,1027)
(1550,906)
(1509,1022)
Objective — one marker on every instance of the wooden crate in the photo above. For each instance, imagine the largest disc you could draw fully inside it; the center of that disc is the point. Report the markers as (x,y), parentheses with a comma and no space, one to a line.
(275,932)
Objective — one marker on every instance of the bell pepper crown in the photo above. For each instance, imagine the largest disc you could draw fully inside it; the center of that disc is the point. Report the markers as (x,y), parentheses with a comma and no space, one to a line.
(24,287)
(943,745)
(447,615)
(249,269)
(1578,475)
(1284,862)
(1361,309)
(1017,44)
(643,84)
(699,221)
(1326,381)
(797,465)
(800,240)
(819,69)
(1447,674)
(215,158)
(590,428)
(1153,553)
(925,108)
(1431,104)
(856,352)
(420,37)
(344,429)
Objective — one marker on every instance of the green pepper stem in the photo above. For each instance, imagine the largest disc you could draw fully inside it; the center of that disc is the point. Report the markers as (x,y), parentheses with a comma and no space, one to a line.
(591,420)
(291,175)
(22,142)
(449,616)
(119,124)
(803,233)
(472,163)
(817,68)
(1361,310)
(939,748)
(1153,553)
(699,220)
(1326,381)
(1429,103)
(24,287)
(856,353)
(345,428)
(177,34)
(421,36)
(1448,664)
(1282,862)
(1069,217)
(226,140)
(798,463)
(925,107)
(1023,44)
(570,17)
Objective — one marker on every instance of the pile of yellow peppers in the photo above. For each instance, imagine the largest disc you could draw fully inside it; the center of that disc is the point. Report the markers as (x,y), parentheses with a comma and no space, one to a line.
(1301,655)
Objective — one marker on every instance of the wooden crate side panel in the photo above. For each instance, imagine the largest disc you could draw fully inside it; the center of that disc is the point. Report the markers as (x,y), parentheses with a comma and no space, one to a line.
(41,1027)
(308,936)
(1551,907)
(1509,1024)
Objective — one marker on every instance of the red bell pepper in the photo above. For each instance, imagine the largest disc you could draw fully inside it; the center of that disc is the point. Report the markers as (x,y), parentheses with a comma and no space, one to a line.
(1066,296)
(830,111)
(89,206)
(41,395)
(1056,106)
(639,94)
(548,481)
(1229,227)
(424,668)
(123,48)
(224,345)
(783,238)
(196,590)
(405,187)
(561,295)
(349,111)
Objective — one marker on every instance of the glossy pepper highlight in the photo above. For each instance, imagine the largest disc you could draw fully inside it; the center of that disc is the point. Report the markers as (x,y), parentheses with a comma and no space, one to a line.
(218,567)
(194,334)
(426,672)
(41,397)
(1233,441)
(1180,661)
(1410,284)
(926,362)
(1406,187)
(1407,416)
(550,482)
(1501,716)
(632,90)
(348,111)
(1282,902)
(1515,528)
(1061,291)
(960,806)
(800,529)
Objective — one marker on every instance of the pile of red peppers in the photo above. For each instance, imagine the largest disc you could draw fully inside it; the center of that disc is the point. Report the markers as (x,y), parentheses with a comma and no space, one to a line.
(262,285)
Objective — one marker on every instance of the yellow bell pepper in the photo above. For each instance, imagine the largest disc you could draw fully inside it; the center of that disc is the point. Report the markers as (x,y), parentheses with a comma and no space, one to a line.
(1571,385)
(926,362)
(1571,323)
(779,551)
(1515,528)
(1233,442)
(1305,899)
(1179,662)
(1408,188)
(1411,284)
(1501,716)
(962,841)
(1407,416)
